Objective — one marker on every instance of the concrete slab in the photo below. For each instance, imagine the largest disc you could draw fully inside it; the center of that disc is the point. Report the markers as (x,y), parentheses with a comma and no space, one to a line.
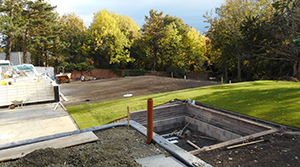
(33,121)
(159,161)
(30,112)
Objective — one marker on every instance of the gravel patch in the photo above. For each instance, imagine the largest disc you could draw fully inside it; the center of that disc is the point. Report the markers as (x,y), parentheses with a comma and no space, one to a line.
(118,146)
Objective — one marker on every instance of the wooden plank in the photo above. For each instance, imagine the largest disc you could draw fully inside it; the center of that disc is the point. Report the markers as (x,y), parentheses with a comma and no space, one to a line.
(245,144)
(18,152)
(234,141)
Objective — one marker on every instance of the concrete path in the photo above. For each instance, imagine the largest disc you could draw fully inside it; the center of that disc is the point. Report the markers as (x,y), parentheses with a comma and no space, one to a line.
(33,121)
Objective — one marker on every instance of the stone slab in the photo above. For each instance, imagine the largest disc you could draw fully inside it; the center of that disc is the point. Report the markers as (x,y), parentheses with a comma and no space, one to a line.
(33,121)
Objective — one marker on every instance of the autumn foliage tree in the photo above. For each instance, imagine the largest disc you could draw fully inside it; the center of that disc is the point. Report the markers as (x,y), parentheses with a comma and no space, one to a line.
(171,44)
(110,38)
(74,39)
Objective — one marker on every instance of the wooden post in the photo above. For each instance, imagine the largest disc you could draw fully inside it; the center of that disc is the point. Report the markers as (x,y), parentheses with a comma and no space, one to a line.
(149,120)
(20,62)
(128,116)
(194,145)
(171,74)
(222,80)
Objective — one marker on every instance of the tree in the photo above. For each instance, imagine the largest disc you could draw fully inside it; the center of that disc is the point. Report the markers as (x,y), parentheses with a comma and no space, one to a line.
(220,52)
(194,46)
(111,37)
(227,27)
(43,31)
(171,44)
(152,33)
(74,39)
(10,22)
(273,37)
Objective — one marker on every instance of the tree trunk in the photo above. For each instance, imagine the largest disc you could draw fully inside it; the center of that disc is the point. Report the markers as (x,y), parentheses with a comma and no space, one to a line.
(8,49)
(295,68)
(239,68)
(226,71)
(46,62)
(154,60)
(298,70)
(36,60)
(25,47)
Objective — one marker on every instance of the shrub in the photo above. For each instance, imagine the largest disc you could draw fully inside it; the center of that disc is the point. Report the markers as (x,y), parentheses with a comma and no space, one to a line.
(84,66)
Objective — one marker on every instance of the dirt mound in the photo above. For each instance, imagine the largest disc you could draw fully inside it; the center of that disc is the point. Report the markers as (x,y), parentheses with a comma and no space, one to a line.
(289,78)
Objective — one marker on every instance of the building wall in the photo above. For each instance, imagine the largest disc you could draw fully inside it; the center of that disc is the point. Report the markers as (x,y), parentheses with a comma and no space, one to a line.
(16,58)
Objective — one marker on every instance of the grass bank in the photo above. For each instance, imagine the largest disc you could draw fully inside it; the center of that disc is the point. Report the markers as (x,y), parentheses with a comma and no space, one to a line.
(269,100)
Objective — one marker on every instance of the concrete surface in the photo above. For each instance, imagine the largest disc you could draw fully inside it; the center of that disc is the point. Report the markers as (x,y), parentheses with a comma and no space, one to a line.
(159,161)
(33,121)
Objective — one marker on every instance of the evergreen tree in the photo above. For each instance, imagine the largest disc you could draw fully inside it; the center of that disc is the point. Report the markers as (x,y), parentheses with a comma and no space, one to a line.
(10,22)
(43,31)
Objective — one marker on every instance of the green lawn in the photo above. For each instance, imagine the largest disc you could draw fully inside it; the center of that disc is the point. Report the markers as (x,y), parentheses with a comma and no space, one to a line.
(269,100)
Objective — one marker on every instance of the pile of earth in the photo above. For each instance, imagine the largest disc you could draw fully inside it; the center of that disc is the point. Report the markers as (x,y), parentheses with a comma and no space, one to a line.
(289,78)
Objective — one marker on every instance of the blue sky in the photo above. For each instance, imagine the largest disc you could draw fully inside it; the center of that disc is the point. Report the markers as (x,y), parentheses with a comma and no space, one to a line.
(190,11)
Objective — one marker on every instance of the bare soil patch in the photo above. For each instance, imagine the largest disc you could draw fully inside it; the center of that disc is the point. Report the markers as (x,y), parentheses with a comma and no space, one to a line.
(278,149)
(111,89)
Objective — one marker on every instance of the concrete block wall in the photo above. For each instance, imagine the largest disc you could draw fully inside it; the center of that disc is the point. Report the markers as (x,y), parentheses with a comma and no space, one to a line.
(168,124)
(213,131)
(218,125)
(225,121)
(159,113)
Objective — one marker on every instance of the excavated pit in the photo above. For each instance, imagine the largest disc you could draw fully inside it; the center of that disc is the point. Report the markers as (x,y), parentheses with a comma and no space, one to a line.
(210,129)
